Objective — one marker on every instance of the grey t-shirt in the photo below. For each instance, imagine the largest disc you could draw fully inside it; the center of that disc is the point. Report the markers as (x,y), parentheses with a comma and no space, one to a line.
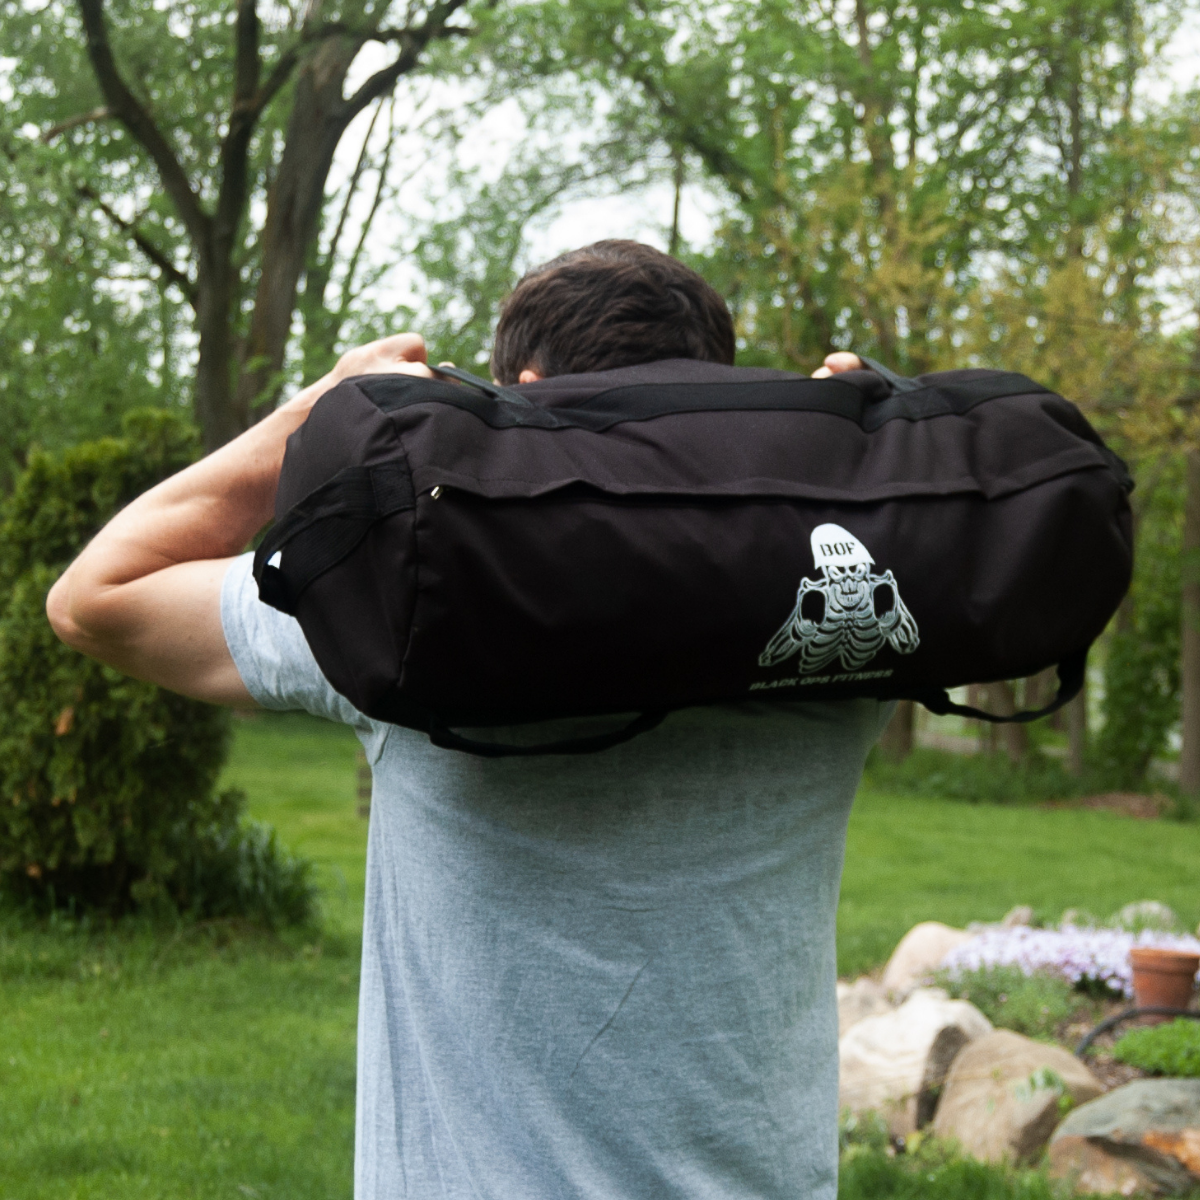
(606,976)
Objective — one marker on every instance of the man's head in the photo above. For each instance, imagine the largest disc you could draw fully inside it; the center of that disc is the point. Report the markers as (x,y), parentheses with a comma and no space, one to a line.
(611,304)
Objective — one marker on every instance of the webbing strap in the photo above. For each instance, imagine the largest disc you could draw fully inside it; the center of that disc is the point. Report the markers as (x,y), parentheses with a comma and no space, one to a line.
(1070,683)
(443,736)
(326,526)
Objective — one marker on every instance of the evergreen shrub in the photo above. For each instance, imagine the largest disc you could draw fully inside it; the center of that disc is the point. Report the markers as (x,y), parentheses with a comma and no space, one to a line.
(108,796)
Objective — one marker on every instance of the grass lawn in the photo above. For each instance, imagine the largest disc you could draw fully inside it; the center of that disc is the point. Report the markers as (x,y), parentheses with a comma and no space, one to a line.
(213,1062)
(910,860)
(208,1063)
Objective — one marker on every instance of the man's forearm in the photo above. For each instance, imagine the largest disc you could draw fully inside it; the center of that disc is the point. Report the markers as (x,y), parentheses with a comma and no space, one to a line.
(144,595)
(211,510)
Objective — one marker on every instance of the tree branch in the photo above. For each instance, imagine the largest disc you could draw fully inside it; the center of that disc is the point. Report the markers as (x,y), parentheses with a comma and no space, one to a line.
(359,167)
(126,107)
(718,160)
(398,35)
(352,266)
(285,65)
(169,270)
(243,116)
(412,43)
(97,114)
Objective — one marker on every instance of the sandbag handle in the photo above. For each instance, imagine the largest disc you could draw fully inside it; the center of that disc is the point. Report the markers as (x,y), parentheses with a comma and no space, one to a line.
(900,383)
(444,737)
(495,390)
(1070,684)
(337,515)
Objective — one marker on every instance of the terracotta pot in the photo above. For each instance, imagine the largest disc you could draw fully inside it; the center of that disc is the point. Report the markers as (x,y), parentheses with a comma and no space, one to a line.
(1163,977)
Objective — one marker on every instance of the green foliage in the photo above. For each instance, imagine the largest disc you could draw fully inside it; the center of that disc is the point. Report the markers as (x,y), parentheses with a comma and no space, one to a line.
(76,352)
(240,869)
(975,778)
(108,784)
(935,1171)
(1170,1049)
(1034,1005)
(863,1131)
(1141,672)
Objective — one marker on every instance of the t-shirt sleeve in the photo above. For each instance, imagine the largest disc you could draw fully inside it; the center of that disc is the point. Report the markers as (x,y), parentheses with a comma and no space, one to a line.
(272,656)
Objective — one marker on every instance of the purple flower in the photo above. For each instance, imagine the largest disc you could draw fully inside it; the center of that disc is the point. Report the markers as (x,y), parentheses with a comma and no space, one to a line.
(1072,953)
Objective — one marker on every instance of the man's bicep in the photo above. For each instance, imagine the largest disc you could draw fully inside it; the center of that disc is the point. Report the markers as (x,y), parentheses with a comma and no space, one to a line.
(166,628)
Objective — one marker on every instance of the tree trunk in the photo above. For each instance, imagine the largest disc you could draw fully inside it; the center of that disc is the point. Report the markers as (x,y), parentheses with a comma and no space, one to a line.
(318,118)
(1014,737)
(897,740)
(1189,757)
(215,412)
(1077,732)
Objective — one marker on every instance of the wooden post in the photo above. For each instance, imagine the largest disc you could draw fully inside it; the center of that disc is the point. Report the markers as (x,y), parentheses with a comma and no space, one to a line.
(1189,755)
(1077,731)
(364,784)
(897,740)
(1015,737)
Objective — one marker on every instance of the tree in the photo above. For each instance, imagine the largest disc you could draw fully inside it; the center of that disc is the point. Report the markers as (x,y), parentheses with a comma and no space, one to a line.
(82,340)
(206,135)
(936,184)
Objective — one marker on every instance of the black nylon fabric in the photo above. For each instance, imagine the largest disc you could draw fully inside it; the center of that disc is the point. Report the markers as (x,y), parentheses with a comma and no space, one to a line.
(685,533)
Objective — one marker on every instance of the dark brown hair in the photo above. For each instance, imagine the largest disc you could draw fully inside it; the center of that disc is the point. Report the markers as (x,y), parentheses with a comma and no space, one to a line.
(610,304)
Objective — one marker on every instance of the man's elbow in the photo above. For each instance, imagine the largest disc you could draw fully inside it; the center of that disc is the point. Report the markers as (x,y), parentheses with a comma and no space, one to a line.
(64,614)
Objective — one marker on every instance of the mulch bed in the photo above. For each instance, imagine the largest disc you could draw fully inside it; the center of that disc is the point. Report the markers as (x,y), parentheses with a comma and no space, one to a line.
(1128,804)
(1099,1059)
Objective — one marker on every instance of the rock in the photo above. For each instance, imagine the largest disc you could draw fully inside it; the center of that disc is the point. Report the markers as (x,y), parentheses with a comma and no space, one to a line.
(1141,1138)
(920,952)
(1145,914)
(856,1001)
(1002,1095)
(1022,914)
(895,1062)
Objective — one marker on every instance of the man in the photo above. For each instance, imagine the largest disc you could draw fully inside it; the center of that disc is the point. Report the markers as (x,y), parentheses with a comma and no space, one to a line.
(598,976)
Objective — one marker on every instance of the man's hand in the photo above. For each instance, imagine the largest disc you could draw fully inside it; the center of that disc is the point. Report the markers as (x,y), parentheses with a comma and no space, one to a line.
(145,594)
(400,354)
(836,363)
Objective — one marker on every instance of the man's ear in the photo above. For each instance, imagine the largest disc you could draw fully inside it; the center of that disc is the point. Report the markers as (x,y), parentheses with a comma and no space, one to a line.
(528,376)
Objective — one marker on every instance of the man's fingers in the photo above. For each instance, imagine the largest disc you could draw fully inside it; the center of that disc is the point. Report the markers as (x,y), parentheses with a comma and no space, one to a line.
(409,368)
(382,356)
(408,347)
(836,363)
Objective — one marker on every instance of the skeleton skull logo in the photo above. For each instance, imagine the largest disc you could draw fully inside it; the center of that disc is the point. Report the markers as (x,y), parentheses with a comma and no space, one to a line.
(847,614)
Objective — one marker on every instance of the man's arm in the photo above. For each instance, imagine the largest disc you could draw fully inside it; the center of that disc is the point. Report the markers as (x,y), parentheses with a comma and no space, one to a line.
(145,594)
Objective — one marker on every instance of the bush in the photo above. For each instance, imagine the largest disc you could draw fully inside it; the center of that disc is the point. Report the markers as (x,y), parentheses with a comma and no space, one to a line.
(107,783)
(1171,1049)
(975,778)
(1034,1005)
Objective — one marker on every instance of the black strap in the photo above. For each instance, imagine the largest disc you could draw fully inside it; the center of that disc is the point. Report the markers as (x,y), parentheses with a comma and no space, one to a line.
(444,737)
(495,390)
(839,396)
(1070,683)
(329,522)
(900,383)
